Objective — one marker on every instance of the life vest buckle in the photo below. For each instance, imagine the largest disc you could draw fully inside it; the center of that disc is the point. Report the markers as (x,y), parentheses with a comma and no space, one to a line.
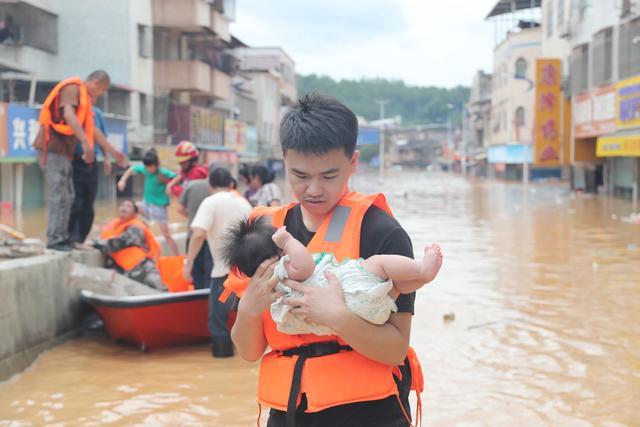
(316,349)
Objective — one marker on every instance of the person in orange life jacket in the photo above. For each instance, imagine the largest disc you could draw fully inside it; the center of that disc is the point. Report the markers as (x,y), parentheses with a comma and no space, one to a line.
(66,120)
(131,248)
(187,156)
(318,138)
(85,182)
(155,200)
(370,286)
(215,214)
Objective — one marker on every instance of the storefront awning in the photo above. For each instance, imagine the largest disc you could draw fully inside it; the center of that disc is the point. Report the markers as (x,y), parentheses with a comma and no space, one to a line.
(620,144)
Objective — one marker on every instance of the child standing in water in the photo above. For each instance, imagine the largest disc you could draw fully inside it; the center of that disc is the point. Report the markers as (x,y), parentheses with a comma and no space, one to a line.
(370,285)
(155,198)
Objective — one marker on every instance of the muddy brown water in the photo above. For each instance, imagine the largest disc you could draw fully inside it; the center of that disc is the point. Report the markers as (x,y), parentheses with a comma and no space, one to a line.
(543,288)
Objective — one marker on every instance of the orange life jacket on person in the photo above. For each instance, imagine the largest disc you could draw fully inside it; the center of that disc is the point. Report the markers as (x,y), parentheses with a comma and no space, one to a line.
(343,375)
(50,117)
(130,257)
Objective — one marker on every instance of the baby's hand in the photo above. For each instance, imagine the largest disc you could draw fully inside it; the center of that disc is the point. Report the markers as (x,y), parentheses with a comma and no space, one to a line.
(281,237)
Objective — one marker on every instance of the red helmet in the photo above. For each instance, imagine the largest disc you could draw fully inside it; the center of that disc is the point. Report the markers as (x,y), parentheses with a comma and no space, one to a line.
(185,151)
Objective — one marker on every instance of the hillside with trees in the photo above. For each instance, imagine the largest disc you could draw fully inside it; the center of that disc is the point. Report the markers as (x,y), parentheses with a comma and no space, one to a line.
(416,104)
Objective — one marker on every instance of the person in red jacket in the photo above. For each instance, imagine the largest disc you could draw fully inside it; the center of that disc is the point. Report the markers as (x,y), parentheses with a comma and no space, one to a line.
(187,155)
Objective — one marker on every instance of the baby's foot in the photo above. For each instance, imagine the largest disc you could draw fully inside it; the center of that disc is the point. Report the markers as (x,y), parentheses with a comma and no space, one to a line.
(431,262)
(281,237)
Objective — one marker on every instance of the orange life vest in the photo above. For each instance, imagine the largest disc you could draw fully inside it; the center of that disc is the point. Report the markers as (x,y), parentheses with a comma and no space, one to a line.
(50,117)
(344,376)
(128,258)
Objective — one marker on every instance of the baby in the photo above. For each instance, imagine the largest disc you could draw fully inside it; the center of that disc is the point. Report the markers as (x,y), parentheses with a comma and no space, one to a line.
(370,285)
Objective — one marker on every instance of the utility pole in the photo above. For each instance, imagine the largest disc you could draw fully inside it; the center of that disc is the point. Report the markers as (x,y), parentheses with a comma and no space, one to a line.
(381,104)
(463,158)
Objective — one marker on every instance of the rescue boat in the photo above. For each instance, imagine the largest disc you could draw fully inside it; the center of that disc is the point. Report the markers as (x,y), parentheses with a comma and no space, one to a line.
(158,320)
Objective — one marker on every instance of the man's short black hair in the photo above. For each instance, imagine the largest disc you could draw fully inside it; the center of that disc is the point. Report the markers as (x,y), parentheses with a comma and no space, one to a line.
(100,76)
(150,158)
(220,178)
(318,124)
(249,243)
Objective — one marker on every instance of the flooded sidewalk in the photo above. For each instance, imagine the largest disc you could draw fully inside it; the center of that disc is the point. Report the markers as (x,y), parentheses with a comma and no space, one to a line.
(532,320)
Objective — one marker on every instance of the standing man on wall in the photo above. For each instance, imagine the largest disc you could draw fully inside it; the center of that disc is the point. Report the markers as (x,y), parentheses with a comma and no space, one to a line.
(66,120)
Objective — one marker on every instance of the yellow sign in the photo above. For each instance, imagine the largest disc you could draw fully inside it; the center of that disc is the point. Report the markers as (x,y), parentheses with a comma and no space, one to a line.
(628,103)
(548,121)
(619,146)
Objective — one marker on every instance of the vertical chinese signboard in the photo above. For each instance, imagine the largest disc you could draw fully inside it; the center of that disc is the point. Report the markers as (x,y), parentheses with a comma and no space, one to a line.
(547,130)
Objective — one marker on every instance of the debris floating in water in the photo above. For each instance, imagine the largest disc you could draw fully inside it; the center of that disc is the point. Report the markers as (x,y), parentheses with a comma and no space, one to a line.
(449,317)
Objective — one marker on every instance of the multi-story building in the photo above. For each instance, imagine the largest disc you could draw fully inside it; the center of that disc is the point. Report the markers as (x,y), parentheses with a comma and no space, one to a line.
(45,41)
(510,134)
(477,122)
(192,66)
(272,74)
(604,39)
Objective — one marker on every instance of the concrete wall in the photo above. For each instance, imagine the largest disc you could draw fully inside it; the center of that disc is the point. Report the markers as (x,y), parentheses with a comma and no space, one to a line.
(37,309)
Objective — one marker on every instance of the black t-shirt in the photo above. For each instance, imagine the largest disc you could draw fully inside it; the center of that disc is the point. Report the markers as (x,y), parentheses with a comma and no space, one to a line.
(380,234)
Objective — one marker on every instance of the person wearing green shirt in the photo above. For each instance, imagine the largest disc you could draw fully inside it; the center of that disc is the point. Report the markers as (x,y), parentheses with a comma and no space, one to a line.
(155,200)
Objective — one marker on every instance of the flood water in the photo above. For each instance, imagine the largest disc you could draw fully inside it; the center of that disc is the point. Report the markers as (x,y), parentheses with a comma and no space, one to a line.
(544,287)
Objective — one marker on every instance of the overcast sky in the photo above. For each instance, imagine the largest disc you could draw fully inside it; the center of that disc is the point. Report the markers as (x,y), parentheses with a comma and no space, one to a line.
(423,42)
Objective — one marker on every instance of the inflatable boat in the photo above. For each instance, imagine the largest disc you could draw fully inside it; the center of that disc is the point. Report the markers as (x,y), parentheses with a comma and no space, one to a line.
(155,320)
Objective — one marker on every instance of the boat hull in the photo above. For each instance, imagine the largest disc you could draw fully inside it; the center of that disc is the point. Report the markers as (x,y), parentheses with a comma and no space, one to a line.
(154,321)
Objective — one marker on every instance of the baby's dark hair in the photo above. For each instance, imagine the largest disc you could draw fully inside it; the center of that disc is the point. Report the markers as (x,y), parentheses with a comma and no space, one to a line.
(248,243)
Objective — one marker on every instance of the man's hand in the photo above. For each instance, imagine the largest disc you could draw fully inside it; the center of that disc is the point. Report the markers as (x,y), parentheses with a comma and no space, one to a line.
(186,270)
(121,185)
(87,151)
(120,157)
(324,306)
(106,167)
(168,191)
(260,292)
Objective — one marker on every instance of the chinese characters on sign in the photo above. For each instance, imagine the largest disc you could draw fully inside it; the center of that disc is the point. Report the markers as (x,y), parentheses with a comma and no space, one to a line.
(628,103)
(594,113)
(547,131)
(22,127)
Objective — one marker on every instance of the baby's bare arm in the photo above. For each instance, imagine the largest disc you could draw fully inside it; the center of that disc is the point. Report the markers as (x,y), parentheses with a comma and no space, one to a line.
(408,275)
(300,265)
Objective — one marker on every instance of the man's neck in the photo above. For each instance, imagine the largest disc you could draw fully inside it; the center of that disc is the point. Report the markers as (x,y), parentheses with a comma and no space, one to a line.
(218,190)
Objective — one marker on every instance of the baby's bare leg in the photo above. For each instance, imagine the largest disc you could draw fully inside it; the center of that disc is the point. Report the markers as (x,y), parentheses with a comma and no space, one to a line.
(300,265)
(408,275)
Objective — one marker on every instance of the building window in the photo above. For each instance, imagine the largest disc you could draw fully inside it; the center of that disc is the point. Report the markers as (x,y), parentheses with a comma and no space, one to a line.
(521,68)
(115,101)
(579,69)
(629,49)
(145,110)
(560,15)
(549,23)
(145,41)
(583,5)
(626,8)
(603,56)
(519,119)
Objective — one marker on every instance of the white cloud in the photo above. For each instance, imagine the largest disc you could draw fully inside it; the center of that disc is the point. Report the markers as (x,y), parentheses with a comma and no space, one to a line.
(422,42)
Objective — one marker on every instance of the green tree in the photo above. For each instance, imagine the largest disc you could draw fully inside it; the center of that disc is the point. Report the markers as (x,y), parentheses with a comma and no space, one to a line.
(416,104)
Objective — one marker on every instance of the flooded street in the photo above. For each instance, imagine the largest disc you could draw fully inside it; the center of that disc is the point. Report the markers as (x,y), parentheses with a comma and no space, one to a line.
(544,287)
